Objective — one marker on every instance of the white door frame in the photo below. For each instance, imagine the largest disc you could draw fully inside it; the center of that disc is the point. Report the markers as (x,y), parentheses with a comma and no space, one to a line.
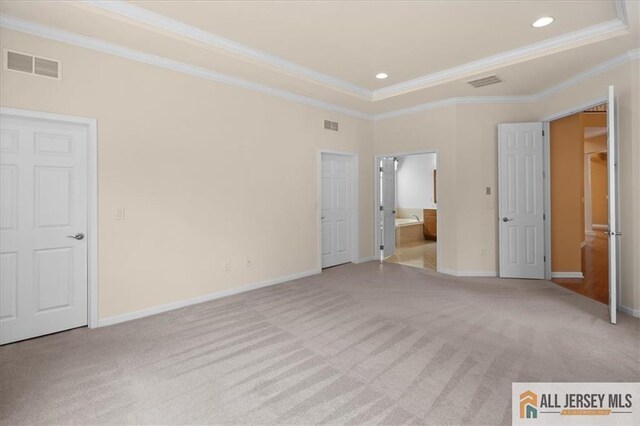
(546,140)
(92,197)
(355,197)
(376,201)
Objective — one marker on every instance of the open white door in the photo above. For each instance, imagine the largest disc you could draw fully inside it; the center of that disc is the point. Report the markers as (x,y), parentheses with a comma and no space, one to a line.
(612,180)
(521,207)
(388,206)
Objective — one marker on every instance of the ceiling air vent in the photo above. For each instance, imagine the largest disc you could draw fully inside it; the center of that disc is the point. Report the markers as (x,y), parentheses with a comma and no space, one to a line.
(331,125)
(485,81)
(32,64)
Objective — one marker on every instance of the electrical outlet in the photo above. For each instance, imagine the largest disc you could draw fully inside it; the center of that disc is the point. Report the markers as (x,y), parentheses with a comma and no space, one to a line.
(249,262)
(120,213)
(227,266)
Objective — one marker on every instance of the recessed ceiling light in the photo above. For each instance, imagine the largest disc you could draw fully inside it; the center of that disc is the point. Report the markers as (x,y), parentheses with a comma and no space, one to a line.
(381,76)
(543,22)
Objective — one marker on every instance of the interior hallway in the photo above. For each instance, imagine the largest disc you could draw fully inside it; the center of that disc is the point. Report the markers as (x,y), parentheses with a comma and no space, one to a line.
(370,343)
(419,254)
(595,268)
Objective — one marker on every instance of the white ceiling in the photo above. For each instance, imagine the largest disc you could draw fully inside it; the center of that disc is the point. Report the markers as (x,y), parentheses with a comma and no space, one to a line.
(331,51)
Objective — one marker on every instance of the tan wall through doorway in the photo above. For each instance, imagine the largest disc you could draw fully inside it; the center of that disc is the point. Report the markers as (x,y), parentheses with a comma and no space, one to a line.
(567,193)
(599,188)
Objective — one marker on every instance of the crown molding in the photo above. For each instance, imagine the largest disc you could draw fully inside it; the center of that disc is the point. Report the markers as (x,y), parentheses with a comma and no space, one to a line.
(164,23)
(571,40)
(56,34)
(560,43)
(616,61)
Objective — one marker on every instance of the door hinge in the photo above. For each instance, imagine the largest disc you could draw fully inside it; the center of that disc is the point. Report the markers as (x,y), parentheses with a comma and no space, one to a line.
(381,247)
(381,169)
(381,208)
(544,216)
(544,258)
(543,133)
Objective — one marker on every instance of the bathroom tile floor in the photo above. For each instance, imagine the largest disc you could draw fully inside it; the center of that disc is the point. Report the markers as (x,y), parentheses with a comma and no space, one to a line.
(419,254)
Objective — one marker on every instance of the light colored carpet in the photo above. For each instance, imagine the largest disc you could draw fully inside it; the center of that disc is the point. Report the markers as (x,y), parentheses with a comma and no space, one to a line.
(370,343)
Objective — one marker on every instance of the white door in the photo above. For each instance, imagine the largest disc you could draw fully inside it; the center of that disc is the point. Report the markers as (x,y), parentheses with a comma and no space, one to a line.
(388,211)
(612,183)
(521,208)
(43,201)
(335,214)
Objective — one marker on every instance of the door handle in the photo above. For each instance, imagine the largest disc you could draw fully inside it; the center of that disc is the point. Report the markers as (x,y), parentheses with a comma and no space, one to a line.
(506,219)
(611,233)
(78,236)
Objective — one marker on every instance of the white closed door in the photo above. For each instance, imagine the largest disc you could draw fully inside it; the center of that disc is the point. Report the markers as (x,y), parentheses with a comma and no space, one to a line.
(388,207)
(613,231)
(335,212)
(43,219)
(521,207)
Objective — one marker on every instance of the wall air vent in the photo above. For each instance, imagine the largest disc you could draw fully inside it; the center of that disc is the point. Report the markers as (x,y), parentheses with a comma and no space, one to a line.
(485,81)
(30,64)
(331,125)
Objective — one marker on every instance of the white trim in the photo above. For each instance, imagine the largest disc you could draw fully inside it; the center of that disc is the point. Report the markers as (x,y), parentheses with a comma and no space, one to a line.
(629,311)
(355,203)
(457,273)
(600,226)
(557,44)
(567,275)
(589,233)
(56,34)
(365,259)
(630,55)
(583,244)
(377,201)
(62,36)
(200,299)
(92,198)
(166,24)
(591,34)
(546,167)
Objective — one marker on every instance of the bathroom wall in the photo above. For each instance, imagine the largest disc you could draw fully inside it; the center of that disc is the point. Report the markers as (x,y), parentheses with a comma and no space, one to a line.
(415,183)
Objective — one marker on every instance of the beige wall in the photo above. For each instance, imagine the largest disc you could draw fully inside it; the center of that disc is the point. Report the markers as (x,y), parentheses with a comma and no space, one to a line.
(598,168)
(206,173)
(567,193)
(472,165)
(196,164)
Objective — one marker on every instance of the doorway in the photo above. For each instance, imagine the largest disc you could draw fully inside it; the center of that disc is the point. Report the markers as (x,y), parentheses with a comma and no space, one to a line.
(48,224)
(408,213)
(579,170)
(338,208)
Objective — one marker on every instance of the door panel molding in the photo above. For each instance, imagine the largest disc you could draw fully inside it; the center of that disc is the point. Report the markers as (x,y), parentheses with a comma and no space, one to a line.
(354,219)
(90,125)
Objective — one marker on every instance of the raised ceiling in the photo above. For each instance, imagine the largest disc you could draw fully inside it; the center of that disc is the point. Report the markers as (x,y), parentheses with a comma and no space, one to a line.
(331,51)
(354,41)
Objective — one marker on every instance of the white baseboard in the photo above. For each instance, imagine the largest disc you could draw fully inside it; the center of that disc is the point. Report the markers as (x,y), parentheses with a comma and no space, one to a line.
(567,275)
(200,299)
(365,259)
(629,311)
(600,227)
(457,273)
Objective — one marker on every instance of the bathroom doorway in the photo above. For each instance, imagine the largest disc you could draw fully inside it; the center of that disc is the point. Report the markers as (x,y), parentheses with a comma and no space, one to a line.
(408,213)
